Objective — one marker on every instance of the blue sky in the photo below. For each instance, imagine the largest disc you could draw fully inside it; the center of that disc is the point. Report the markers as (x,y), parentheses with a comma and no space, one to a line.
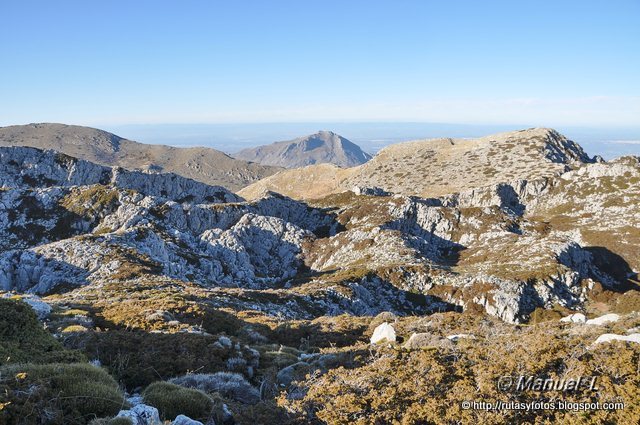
(116,62)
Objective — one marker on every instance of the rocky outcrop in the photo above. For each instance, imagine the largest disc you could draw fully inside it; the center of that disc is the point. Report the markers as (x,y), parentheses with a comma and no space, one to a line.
(141,414)
(22,167)
(506,247)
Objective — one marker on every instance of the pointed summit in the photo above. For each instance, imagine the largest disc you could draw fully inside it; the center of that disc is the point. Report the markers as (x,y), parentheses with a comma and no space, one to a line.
(318,148)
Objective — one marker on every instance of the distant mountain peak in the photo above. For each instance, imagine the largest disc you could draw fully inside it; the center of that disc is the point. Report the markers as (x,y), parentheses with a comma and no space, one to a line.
(323,147)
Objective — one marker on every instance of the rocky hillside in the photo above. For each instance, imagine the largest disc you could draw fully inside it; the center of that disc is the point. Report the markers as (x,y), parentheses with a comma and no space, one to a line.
(201,303)
(68,223)
(439,166)
(201,164)
(324,147)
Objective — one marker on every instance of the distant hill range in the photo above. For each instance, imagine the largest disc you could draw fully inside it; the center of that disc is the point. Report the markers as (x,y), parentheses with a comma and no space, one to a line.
(436,167)
(323,147)
(201,164)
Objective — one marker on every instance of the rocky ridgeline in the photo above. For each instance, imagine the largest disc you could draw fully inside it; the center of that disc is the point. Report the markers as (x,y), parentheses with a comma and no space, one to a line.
(509,247)
(437,167)
(22,167)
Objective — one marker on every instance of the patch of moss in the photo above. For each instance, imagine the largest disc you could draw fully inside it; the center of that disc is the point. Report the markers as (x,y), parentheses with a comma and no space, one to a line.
(91,200)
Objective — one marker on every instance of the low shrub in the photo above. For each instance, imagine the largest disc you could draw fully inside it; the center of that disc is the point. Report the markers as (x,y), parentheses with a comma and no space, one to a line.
(137,359)
(229,385)
(64,394)
(172,400)
(23,339)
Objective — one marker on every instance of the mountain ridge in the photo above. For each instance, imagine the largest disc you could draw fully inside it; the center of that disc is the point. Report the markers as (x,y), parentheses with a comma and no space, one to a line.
(202,164)
(436,167)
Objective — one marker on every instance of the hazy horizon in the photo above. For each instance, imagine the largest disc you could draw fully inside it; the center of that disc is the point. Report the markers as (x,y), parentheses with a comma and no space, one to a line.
(371,136)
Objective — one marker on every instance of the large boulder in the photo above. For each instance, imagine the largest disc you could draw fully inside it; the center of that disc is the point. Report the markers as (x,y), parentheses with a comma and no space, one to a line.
(614,337)
(574,318)
(185,420)
(603,320)
(141,414)
(383,332)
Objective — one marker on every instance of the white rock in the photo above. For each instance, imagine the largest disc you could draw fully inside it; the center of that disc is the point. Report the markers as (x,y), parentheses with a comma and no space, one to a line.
(141,414)
(185,420)
(614,337)
(603,320)
(383,332)
(135,399)
(456,337)
(41,308)
(574,318)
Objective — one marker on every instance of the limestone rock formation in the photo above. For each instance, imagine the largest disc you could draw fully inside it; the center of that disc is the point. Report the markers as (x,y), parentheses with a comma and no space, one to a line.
(508,248)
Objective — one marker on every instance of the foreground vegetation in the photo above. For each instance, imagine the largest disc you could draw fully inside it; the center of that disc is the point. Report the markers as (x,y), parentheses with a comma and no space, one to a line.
(268,370)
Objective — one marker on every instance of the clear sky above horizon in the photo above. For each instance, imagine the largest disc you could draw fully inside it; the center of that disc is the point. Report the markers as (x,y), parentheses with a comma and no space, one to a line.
(117,62)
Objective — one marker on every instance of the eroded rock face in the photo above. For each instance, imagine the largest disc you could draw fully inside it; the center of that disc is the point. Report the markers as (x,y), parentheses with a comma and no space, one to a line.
(22,167)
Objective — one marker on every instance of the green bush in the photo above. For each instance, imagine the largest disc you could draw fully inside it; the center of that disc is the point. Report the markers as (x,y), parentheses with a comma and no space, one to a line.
(23,339)
(172,400)
(136,359)
(69,394)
